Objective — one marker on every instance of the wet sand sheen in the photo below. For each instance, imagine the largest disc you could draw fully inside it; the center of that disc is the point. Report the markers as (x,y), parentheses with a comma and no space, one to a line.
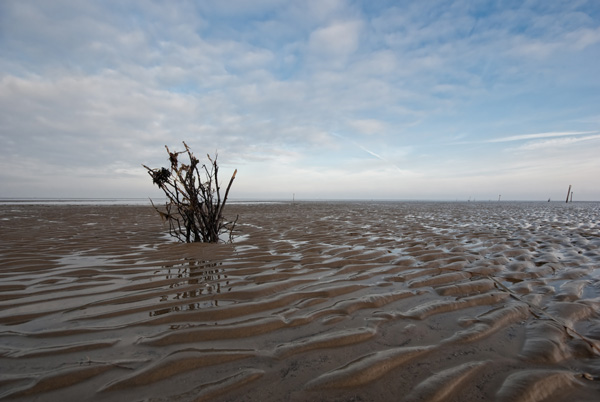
(314,301)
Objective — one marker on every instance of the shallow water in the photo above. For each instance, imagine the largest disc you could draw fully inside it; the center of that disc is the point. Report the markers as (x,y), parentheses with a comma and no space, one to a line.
(314,301)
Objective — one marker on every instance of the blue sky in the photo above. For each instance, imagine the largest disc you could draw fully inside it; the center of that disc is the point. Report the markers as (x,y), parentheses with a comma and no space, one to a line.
(322,99)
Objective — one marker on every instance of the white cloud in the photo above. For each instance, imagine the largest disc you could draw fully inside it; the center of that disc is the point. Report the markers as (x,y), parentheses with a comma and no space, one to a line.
(335,42)
(567,42)
(324,9)
(368,126)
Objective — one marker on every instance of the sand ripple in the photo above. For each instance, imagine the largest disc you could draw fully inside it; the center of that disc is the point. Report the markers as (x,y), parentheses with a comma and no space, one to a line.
(314,301)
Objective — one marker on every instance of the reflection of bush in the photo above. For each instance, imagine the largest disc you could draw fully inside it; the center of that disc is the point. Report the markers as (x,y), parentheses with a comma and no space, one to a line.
(197,279)
(194,207)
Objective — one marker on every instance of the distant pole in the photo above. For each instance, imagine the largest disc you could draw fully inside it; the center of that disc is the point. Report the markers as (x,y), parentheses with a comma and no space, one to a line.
(568,192)
(499,197)
(293,198)
(571,196)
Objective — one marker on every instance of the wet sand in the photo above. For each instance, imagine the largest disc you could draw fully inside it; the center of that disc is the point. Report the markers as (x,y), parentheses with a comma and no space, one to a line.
(313,301)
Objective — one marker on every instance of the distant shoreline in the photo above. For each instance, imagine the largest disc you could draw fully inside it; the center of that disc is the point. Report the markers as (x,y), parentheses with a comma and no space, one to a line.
(74,201)
(158,201)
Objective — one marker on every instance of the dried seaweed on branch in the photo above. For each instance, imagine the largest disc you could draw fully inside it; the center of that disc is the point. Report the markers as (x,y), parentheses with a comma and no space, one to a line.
(194,207)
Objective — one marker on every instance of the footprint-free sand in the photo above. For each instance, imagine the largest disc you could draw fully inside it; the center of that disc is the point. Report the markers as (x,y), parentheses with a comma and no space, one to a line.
(332,301)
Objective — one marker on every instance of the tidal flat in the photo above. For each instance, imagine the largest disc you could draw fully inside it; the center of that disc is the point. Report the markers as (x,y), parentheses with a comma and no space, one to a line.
(331,301)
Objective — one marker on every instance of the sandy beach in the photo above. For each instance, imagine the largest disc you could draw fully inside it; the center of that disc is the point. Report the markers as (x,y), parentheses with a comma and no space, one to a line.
(314,301)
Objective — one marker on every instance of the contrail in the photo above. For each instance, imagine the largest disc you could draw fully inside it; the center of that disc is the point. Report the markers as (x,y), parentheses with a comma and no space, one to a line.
(539,135)
(366,150)
(521,137)
(369,152)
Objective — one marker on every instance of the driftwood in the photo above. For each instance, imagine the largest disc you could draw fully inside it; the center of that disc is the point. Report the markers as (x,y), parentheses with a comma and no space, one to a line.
(194,207)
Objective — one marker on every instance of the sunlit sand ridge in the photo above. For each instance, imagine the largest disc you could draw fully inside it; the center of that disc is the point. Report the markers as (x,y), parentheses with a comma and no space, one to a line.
(314,301)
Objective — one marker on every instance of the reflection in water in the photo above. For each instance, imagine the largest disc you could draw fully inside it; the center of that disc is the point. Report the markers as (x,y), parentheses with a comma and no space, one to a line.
(198,279)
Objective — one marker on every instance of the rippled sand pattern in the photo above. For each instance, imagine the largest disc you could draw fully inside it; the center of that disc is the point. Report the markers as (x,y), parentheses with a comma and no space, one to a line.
(314,301)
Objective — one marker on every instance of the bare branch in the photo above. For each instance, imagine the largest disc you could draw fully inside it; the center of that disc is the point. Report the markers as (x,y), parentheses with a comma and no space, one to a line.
(194,207)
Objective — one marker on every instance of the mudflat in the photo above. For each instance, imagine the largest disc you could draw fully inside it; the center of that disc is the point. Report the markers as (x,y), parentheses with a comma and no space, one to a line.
(332,301)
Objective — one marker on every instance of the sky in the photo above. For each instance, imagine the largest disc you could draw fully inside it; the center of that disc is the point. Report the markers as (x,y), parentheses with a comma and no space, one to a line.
(324,99)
